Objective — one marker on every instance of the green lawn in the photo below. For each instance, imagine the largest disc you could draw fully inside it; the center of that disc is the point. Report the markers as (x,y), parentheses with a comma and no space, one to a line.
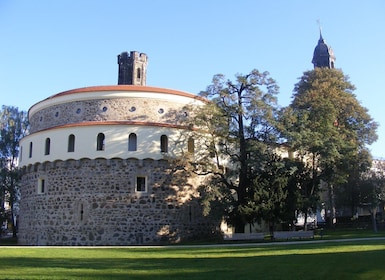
(331,260)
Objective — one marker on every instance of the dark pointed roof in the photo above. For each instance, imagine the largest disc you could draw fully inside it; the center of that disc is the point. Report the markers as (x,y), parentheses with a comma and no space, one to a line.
(323,54)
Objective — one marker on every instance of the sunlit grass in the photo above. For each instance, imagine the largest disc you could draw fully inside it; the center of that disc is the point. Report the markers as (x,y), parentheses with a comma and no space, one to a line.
(349,233)
(331,260)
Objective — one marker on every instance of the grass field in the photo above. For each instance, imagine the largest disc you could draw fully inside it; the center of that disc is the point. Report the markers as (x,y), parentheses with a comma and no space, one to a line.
(362,259)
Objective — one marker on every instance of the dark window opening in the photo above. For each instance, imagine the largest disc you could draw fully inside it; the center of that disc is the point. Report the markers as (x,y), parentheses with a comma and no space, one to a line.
(132,142)
(100,142)
(47,146)
(163,144)
(81,212)
(41,186)
(141,184)
(71,143)
(30,149)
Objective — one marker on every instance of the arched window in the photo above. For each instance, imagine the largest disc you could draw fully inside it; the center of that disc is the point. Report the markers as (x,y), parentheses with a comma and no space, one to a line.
(47,146)
(132,142)
(30,149)
(138,73)
(190,145)
(100,142)
(163,144)
(71,143)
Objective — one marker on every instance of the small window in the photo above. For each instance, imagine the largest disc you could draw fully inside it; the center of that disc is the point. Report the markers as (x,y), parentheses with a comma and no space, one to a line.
(141,185)
(138,73)
(163,144)
(81,212)
(190,145)
(71,143)
(100,142)
(132,142)
(41,186)
(47,148)
(30,149)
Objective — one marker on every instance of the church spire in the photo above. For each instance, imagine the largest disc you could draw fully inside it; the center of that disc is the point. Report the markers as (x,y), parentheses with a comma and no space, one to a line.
(323,54)
(320,30)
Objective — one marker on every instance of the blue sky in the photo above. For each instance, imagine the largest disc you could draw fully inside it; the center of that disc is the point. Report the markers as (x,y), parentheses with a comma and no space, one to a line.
(51,46)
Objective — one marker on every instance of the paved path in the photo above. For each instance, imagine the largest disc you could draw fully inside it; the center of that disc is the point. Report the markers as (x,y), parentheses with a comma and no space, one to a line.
(256,244)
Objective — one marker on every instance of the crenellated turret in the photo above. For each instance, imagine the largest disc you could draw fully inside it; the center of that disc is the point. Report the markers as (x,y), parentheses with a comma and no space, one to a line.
(132,68)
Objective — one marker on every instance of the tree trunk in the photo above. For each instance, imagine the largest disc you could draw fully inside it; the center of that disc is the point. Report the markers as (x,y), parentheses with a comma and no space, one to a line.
(305,222)
(332,207)
(374,222)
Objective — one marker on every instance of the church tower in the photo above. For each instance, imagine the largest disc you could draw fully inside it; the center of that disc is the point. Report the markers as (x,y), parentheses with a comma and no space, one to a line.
(323,54)
(132,68)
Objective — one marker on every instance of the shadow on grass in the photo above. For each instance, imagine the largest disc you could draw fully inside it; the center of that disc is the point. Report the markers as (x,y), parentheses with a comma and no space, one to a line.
(276,262)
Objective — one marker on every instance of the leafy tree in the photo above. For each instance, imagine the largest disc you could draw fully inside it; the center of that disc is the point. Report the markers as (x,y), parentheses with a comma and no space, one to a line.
(13,126)
(269,192)
(348,194)
(372,191)
(236,130)
(327,126)
(303,191)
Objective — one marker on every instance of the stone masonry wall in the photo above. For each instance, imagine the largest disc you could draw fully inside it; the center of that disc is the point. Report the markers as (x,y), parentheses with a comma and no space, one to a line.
(119,109)
(94,202)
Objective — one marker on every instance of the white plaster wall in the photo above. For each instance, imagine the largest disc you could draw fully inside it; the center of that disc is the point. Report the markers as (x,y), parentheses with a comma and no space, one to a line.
(116,143)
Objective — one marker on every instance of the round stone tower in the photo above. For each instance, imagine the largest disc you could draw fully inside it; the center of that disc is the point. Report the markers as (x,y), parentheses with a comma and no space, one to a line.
(94,168)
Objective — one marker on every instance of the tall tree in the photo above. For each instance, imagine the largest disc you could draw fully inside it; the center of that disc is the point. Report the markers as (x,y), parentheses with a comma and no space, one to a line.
(270,193)
(13,126)
(348,194)
(238,127)
(303,191)
(327,126)
(371,189)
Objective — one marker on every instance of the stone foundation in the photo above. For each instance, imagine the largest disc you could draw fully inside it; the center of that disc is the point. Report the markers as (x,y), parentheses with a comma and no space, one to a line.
(95,202)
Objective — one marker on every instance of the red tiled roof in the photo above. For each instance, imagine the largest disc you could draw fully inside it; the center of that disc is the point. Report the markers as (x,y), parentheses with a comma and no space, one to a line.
(126,88)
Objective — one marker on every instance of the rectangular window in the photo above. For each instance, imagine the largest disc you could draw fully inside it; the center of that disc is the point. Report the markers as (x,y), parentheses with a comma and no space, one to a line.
(41,186)
(141,185)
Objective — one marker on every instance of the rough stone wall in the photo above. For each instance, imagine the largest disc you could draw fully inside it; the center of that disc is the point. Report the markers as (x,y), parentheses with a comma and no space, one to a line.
(94,202)
(119,109)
